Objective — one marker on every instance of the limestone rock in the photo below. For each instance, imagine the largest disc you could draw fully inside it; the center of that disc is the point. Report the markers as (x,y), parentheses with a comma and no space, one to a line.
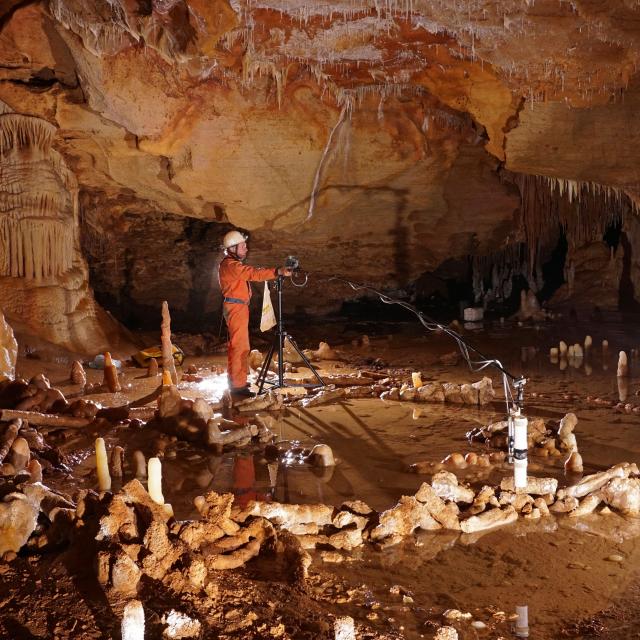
(407,516)
(18,519)
(8,350)
(445,485)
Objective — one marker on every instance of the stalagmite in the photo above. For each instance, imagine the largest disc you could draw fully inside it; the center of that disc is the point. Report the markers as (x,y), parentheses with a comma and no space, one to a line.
(623,366)
(489,520)
(237,434)
(154,481)
(534,486)
(110,379)
(562,348)
(623,494)
(416,379)
(573,463)
(35,470)
(553,354)
(168,363)
(325,352)
(132,627)
(102,466)
(595,481)
(44,419)
(445,485)
(9,435)
(19,454)
(566,436)
(117,460)
(140,464)
(321,456)
(255,359)
(588,342)
(78,375)
(587,505)
(152,368)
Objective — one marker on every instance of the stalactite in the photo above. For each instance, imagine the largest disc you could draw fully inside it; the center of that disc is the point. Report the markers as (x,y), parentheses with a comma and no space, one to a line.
(347,110)
(17,130)
(499,268)
(583,210)
(38,201)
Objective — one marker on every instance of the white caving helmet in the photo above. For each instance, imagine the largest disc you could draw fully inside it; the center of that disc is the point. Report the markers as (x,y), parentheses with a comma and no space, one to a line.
(232,238)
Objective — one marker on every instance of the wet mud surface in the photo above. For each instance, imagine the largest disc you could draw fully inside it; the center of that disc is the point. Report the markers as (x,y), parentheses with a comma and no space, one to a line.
(578,577)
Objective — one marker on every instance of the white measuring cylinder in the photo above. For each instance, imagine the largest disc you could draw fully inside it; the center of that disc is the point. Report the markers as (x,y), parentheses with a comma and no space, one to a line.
(520,424)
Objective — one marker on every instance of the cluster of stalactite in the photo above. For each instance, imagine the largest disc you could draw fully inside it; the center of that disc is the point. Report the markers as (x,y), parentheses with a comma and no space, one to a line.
(492,275)
(38,200)
(582,211)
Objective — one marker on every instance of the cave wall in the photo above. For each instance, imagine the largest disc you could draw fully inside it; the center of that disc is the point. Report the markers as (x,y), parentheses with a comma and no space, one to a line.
(370,141)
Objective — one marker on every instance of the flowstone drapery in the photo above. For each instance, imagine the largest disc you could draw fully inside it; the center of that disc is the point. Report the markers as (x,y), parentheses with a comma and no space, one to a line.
(38,201)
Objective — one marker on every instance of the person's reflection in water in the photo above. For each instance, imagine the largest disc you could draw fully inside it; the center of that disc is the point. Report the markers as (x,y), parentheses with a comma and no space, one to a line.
(244,482)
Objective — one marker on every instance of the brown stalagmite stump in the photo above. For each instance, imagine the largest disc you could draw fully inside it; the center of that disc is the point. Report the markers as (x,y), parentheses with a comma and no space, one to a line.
(167,348)
(78,375)
(152,369)
(117,460)
(110,379)
(35,470)
(19,454)
(7,438)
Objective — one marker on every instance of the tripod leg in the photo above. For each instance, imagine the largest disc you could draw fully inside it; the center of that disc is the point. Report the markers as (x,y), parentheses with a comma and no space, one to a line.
(265,369)
(306,360)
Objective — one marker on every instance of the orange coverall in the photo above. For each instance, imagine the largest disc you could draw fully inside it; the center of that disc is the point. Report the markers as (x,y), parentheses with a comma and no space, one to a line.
(234,277)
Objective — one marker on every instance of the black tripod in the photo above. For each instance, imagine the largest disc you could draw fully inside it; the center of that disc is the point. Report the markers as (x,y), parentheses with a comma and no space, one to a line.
(278,343)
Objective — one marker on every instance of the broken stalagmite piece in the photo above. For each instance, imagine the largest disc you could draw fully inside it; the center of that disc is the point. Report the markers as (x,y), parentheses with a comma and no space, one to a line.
(110,379)
(78,375)
(152,368)
(117,461)
(489,520)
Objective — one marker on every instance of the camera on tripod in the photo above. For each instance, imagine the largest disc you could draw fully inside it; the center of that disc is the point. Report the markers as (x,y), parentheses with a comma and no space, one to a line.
(292,263)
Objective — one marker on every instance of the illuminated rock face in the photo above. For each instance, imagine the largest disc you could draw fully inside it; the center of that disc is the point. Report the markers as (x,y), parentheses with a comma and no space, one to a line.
(374,140)
(8,350)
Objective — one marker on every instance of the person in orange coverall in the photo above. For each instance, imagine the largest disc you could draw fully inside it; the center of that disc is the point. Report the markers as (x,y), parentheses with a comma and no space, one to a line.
(234,277)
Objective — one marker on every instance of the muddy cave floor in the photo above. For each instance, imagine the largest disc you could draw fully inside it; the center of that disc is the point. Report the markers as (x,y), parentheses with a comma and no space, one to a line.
(560,568)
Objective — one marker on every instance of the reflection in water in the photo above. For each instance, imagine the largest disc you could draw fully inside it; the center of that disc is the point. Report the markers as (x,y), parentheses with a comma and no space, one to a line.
(522,623)
(623,388)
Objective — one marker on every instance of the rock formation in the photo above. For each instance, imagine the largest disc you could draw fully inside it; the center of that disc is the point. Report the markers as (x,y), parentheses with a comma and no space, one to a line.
(498,125)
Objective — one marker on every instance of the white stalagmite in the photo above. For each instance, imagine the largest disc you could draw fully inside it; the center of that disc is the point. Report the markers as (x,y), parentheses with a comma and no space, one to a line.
(562,348)
(588,342)
(132,627)
(102,466)
(154,480)
(623,366)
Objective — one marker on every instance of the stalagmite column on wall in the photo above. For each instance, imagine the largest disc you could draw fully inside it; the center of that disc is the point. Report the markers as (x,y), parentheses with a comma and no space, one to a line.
(44,285)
